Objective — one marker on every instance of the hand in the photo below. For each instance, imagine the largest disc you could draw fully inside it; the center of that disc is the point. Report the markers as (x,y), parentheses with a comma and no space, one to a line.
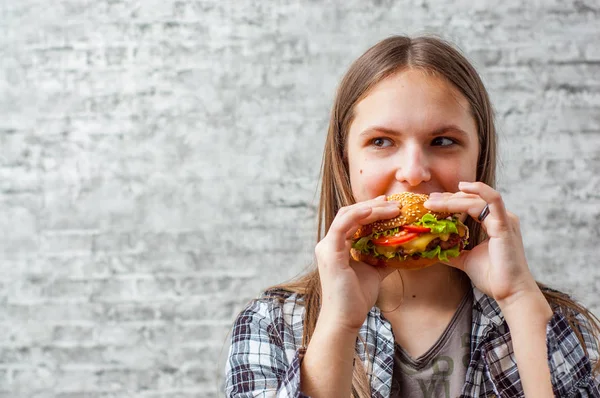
(498,266)
(350,288)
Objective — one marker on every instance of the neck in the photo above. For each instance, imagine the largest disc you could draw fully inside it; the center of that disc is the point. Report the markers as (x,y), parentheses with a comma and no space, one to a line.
(436,288)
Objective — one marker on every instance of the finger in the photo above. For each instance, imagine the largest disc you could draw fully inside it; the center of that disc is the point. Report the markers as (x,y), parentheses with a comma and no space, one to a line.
(515,222)
(490,196)
(456,203)
(472,199)
(345,225)
(378,201)
(377,213)
(458,262)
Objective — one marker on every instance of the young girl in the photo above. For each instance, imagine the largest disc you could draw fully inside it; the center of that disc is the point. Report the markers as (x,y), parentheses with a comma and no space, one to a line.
(413,115)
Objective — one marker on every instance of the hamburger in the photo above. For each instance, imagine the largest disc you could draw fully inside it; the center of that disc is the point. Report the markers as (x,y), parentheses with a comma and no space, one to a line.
(416,238)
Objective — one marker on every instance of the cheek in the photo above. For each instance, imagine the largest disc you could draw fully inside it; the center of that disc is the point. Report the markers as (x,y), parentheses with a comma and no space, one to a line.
(469,171)
(452,173)
(368,182)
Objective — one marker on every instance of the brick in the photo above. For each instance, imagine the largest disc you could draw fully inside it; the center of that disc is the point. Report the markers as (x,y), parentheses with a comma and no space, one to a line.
(85,265)
(24,238)
(192,240)
(18,149)
(131,312)
(194,309)
(157,288)
(79,33)
(116,242)
(5,379)
(104,265)
(18,355)
(193,376)
(115,334)
(65,212)
(210,285)
(67,241)
(146,263)
(112,289)
(196,391)
(573,74)
(74,334)
(183,354)
(39,378)
(200,333)
(161,241)
(75,354)
(68,311)
(133,356)
(175,32)
(73,382)
(29,288)
(58,58)
(97,393)
(136,379)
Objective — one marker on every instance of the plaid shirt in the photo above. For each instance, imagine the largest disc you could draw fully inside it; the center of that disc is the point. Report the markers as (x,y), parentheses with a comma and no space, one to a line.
(265,353)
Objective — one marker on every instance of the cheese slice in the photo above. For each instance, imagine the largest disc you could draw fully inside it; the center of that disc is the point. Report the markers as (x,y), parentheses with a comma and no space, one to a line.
(414,246)
(419,244)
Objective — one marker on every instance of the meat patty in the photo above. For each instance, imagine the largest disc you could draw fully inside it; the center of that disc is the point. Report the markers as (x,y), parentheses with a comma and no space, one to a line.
(452,241)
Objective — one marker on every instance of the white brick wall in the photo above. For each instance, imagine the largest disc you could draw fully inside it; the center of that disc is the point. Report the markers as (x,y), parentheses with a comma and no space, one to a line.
(159,159)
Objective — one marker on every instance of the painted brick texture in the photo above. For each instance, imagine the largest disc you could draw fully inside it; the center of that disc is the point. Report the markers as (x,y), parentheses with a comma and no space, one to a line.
(159,164)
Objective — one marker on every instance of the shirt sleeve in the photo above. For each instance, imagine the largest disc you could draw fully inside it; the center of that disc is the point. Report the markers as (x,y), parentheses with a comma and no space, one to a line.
(570,367)
(258,364)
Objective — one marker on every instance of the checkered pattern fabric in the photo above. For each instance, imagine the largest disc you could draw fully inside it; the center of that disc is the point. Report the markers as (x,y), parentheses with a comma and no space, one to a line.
(266,352)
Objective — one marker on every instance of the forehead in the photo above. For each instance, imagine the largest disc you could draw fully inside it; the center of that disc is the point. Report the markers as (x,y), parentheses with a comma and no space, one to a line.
(413,98)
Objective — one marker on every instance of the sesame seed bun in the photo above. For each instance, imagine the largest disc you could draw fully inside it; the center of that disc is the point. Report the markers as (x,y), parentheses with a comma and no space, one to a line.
(411,211)
(410,263)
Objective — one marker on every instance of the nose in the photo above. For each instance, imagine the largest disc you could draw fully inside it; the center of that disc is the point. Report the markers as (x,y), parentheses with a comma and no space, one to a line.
(413,168)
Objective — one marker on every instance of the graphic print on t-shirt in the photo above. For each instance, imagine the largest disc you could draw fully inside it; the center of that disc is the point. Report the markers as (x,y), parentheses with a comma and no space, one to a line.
(441,371)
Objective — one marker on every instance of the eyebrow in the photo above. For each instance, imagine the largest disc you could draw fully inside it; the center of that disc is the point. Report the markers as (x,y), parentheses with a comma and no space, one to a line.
(437,131)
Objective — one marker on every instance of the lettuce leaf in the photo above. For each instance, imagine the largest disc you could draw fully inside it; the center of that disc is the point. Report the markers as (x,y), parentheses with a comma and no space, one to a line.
(388,232)
(438,226)
(443,255)
(362,244)
(366,246)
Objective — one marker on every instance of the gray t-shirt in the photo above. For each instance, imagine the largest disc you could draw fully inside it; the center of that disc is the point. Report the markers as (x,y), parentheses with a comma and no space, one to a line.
(441,371)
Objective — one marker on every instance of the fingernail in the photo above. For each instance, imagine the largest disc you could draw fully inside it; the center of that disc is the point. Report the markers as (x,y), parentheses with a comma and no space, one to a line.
(380,197)
(435,195)
(464,184)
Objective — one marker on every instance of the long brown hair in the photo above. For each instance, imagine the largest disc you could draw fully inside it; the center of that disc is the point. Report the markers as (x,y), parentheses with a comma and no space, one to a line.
(394,54)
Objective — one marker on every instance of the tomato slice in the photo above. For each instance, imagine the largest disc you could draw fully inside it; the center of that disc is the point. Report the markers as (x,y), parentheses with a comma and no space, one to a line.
(394,240)
(415,228)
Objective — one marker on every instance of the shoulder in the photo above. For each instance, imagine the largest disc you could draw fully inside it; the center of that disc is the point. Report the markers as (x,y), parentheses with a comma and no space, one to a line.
(280,295)
(568,306)
(559,301)
(275,312)
(275,302)
(280,300)
(568,312)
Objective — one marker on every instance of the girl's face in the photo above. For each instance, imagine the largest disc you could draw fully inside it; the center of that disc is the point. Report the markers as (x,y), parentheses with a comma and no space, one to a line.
(413,132)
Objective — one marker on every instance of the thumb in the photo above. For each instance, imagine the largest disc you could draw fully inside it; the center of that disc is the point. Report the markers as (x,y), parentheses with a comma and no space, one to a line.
(458,262)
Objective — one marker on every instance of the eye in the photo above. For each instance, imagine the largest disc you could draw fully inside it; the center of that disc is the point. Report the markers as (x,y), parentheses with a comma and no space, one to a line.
(442,141)
(381,142)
